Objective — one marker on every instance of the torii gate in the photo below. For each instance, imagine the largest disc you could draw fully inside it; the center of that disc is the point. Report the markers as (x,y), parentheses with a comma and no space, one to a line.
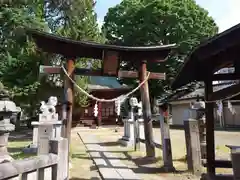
(112,56)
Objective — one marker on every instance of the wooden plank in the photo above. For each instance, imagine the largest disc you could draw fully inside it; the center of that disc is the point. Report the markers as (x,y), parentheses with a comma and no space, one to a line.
(223,93)
(69,97)
(98,72)
(49,69)
(110,62)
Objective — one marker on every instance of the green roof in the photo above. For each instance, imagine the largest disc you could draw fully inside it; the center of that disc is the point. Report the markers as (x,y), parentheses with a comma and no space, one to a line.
(99,82)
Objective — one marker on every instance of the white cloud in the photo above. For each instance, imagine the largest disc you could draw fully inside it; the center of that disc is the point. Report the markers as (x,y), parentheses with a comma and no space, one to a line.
(100,22)
(231,15)
(225,12)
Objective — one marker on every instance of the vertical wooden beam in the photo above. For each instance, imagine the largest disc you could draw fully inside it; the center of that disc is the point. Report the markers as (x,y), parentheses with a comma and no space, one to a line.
(69,94)
(69,98)
(148,130)
(210,129)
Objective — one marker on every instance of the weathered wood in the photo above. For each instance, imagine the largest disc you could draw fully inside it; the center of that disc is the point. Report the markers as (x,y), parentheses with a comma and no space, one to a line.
(69,97)
(110,63)
(193,146)
(150,148)
(226,92)
(210,129)
(50,69)
(166,144)
(98,72)
(17,167)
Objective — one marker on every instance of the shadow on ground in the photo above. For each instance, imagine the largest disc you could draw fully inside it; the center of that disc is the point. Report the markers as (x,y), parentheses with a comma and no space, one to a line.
(144,165)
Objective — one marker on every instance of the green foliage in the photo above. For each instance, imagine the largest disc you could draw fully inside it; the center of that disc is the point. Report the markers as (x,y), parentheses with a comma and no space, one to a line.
(157,22)
(76,20)
(19,59)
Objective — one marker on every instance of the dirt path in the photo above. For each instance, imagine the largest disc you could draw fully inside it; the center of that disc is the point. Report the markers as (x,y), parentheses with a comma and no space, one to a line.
(147,170)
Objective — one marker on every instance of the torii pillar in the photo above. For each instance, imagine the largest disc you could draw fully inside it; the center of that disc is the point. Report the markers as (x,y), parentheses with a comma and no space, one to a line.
(147,115)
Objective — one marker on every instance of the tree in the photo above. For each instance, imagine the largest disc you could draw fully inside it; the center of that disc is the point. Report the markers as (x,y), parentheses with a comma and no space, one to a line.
(157,22)
(19,60)
(76,20)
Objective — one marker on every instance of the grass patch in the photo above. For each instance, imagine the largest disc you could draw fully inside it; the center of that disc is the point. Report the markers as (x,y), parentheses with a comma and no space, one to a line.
(223,149)
(15,149)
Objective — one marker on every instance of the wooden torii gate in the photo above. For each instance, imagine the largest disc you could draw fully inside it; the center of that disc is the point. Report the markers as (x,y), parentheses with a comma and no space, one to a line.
(112,56)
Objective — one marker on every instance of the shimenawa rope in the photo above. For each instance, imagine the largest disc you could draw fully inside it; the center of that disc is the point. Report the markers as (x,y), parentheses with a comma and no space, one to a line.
(105,100)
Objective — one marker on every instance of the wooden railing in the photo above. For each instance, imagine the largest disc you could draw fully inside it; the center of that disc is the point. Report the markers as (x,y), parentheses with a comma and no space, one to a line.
(56,161)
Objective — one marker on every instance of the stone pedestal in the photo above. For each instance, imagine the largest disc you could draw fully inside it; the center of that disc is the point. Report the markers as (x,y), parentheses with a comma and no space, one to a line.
(128,137)
(45,121)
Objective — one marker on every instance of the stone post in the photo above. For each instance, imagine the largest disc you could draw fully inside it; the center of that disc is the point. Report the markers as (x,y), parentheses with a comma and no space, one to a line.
(48,127)
(166,143)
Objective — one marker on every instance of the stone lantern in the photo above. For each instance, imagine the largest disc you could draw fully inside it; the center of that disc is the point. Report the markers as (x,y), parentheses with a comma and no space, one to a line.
(7,108)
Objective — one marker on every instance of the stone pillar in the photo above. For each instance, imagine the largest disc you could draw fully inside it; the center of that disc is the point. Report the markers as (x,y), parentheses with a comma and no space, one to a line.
(141,128)
(35,134)
(166,142)
(125,130)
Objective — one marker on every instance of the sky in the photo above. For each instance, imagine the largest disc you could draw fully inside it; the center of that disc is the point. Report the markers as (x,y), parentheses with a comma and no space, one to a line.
(225,12)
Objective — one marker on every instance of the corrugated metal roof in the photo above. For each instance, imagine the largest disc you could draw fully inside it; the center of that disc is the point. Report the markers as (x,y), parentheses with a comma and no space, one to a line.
(200,92)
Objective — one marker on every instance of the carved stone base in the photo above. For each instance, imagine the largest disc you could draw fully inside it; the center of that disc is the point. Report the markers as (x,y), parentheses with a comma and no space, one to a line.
(31,149)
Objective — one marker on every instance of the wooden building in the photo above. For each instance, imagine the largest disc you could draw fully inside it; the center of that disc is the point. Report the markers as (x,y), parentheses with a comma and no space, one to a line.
(180,101)
(103,88)
(218,52)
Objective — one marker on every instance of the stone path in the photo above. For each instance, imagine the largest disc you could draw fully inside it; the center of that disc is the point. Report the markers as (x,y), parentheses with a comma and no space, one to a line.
(109,166)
